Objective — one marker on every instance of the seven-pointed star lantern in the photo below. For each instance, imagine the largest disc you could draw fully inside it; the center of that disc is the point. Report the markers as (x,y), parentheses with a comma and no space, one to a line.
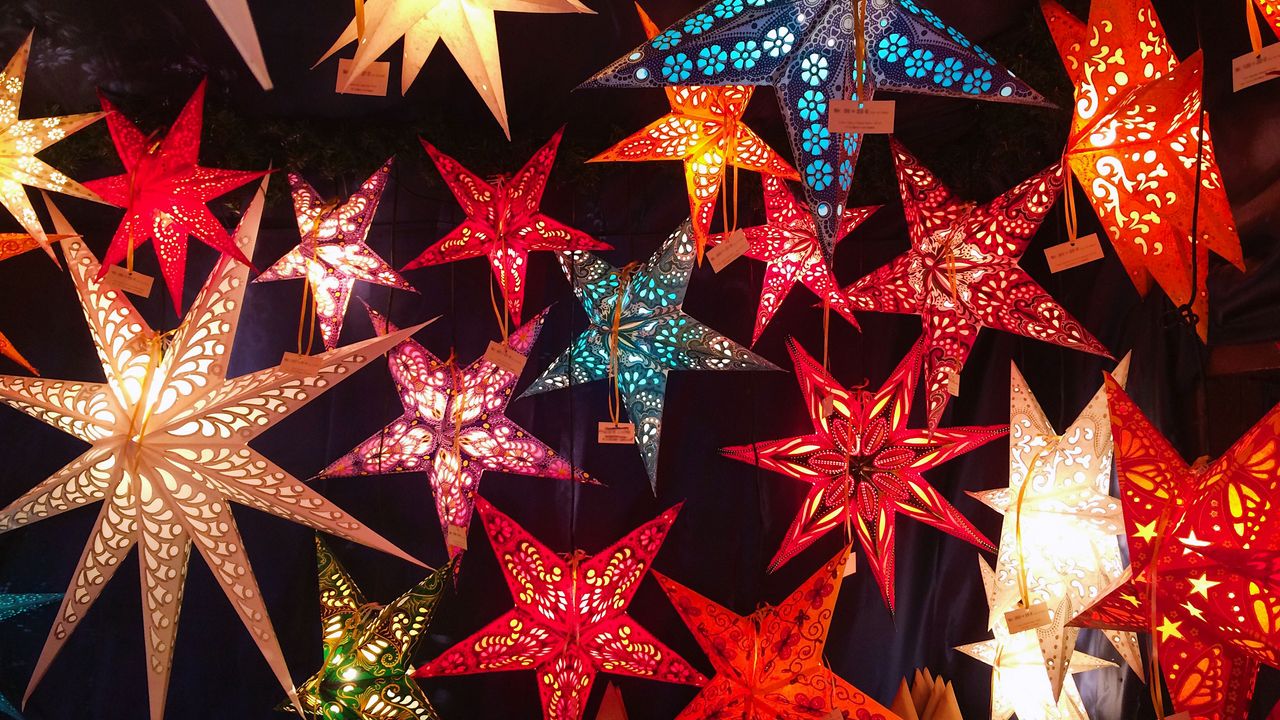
(705,130)
(168,438)
(163,192)
(864,465)
(454,427)
(638,332)
(961,273)
(806,49)
(367,648)
(788,245)
(1133,145)
(333,253)
(570,620)
(468,31)
(1204,553)
(769,664)
(503,221)
(20,140)
(11,605)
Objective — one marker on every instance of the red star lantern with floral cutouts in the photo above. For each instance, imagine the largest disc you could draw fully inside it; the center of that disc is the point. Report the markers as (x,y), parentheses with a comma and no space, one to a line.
(1134,142)
(788,244)
(503,221)
(769,664)
(570,620)
(163,191)
(961,273)
(864,465)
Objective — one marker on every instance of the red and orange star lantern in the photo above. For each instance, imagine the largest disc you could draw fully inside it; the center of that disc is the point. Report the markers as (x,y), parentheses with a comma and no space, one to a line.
(1270,10)
(1134,143)
(864,465)
(570,620)
(1204,548)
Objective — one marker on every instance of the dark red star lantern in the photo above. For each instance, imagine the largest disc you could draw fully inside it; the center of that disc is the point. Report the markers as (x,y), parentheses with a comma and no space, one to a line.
(961,273)
(570,620)
(164,191)
(864,465)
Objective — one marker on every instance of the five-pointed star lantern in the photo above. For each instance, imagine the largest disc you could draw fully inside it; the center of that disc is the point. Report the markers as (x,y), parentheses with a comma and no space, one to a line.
(454,427)
(961,273)
(1058,543)
(806,50)
(20,140)
(864,465)
(570,620)
(13,604)
(1204,552)
(638,332)
(333,253)
(788,245)
(367,647)
(1134,142)
(1018,682)
(705,130)
(503,221)
(466,26)
(238,23)
(164,191)
(168,452)
(769,664)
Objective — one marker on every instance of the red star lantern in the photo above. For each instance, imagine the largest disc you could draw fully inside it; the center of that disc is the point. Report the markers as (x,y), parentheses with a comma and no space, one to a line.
(1204,549)
(1270,10)
(769,664)
(961,273)
(789,246)
(503,221)
(864,465)
(1134,142)
(164,191)
(570,618)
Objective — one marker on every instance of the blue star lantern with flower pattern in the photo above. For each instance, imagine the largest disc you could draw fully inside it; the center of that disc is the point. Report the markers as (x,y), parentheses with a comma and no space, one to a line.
(11,605)
(806,50)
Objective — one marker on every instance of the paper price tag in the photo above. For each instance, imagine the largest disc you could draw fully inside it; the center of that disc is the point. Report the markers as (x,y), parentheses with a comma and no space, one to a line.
(1073,254)
(621,434)
(851,116)
(827,406)
(373,81)
(134,283)
(1027,618)
(1249,69)
(456,537)
(733,247)
(1184,715)
(834,715)
(296,364)
(851,564)
(505,357)
(953,384)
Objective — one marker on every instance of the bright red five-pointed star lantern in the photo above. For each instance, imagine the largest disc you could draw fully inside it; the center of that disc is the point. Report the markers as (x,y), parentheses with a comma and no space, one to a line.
(961,273)
(570,618)
(864,465)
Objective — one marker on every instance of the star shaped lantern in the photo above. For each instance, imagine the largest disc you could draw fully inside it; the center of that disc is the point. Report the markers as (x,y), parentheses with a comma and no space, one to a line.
(333,253)
(1203,549)
(14,604)
(1134,143)
(864,465)
(769,664)
(788,245)
(236,20)
(503,222)
(365,670)
(961,273)
(454,428)
(1270,10)
(168,452)
(570,620)
(637,333)
(806,50)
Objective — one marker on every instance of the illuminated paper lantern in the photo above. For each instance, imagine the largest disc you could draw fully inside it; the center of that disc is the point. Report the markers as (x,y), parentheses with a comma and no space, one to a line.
(238,24)
(864,466)
(1134,140)
(333,253)
(770,664)
(570,617)
(961,273)
(168,452)
(806,50)
(1271,11)
(13,604)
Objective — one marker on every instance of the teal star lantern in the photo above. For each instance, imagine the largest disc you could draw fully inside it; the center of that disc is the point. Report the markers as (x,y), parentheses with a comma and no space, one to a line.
(11,605)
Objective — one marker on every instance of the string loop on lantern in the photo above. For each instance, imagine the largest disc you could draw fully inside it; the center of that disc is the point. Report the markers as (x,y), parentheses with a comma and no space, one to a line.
(624,282)
(1255,33)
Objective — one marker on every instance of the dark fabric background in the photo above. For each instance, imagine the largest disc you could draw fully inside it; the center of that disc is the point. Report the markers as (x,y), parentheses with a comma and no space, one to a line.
(148,54)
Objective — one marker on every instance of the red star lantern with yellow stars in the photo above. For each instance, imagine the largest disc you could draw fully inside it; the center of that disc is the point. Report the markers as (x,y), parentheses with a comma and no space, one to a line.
(961,273)
(570,620)
(864,465)
(1270,10)
(1204,550)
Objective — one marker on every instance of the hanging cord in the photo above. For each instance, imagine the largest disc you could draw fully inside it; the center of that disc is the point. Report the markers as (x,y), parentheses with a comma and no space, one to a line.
(826,334)
(860,47)
(731,159)
(1023,587)
(1255,33)
(359,22)
(503,313)
(1069,201)
(624,284)
(1187,311)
